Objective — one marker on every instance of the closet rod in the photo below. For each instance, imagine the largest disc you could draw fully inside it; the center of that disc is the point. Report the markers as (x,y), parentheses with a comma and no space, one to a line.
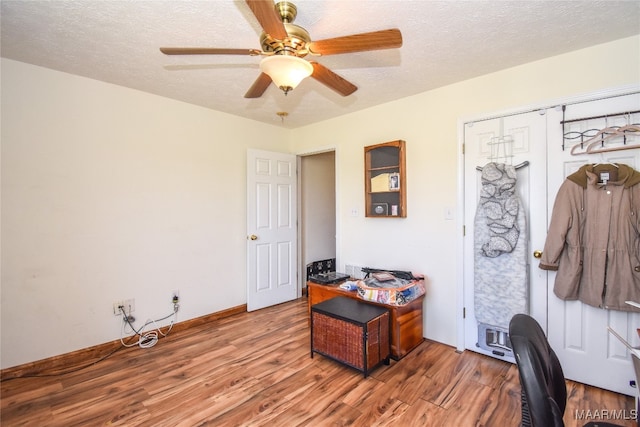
(599,117)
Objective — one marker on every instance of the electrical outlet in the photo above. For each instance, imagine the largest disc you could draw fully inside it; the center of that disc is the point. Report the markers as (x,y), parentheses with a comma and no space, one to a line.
(129,306)
(354,271)
(116,308)
(175,296)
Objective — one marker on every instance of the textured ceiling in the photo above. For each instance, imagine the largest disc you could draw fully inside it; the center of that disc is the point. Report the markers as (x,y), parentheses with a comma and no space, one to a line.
(444,42)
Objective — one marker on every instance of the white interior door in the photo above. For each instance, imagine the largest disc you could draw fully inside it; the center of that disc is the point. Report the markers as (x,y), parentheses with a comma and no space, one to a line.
(528,131)
(271,229)
(578,332)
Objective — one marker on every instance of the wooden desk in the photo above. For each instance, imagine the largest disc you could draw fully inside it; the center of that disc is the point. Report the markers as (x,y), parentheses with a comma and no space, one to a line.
(405,321)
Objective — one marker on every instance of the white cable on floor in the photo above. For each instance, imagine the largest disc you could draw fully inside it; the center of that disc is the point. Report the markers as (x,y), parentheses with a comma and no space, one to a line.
(150,338)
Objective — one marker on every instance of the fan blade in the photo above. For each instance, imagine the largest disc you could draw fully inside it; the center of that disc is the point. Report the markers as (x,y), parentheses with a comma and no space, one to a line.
(259,86)
(269,20)
(332,80)
(377,40)
(207,51)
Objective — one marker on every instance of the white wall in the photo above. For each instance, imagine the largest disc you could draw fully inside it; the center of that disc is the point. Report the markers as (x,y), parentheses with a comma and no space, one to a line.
(110,193)
(425,241)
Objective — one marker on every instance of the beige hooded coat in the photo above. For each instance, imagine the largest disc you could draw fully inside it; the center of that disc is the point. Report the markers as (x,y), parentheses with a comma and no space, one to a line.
(594,240)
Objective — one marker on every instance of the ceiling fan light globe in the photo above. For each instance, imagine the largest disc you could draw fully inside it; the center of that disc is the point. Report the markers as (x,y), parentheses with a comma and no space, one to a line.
(286,71)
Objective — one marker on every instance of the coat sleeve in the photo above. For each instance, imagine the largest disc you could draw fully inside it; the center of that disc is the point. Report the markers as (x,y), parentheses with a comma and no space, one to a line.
(562,219)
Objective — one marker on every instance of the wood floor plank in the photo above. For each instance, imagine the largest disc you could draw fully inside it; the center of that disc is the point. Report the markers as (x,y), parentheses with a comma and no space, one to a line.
(446,381)
(487,370)
(329,384)
(504,400)
(586,403)
(379,398)
(467,404)
(420,414)
(255,369)
(337,414)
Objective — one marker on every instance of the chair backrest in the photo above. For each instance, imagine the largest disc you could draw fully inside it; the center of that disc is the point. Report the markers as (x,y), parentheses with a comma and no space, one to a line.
(541,377)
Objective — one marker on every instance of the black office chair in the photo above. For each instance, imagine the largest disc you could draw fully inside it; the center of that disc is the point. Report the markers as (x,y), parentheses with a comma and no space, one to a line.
(544,391)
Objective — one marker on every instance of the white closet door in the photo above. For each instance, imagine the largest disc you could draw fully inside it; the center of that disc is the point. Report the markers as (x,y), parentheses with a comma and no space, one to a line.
(578,332)
(528,131)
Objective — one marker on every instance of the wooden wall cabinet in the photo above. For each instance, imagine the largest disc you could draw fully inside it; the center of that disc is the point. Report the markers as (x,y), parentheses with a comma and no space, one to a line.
(385,180)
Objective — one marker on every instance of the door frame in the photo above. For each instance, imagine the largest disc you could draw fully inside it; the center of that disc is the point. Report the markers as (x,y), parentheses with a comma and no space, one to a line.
(461,220)
(302,268)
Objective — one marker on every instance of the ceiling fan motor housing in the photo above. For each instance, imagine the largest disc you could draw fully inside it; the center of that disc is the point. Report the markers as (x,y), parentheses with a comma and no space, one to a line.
(298,37)
(295,44)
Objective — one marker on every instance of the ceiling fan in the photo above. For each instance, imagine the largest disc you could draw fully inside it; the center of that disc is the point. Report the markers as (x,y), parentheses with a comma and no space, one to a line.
(284,44)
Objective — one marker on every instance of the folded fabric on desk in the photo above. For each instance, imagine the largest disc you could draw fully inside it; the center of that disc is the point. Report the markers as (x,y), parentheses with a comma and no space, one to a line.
(391,291)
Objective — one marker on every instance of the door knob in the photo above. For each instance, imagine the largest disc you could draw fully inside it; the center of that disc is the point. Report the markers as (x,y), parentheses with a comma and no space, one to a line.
(253,237)
(537,254)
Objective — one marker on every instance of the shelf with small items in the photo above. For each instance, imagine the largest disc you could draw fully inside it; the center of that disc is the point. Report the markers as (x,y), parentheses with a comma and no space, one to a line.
(385,180)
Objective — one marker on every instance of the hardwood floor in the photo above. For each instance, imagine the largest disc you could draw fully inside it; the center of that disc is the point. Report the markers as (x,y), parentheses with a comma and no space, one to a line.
(254,369)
